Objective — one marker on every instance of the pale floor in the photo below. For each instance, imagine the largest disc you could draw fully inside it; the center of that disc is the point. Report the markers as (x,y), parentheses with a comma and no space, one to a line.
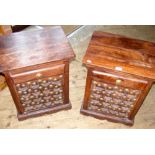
(79,40)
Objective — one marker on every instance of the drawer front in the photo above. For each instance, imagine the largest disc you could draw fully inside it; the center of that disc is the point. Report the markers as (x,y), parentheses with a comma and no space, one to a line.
(21,77)
(40,89)
(120,80)
(114,96)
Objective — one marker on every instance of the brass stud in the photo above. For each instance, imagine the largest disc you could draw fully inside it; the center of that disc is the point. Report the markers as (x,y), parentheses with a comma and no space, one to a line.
(29,90)
(115,87)
(51,86)
(51,92)
(120,90)
(99,85)
(34,83)
(23,85)
(60,76)
(93,90)
(32,97)
(17,85)
(49,78)
(22,99)
(60,97)
(55,79)
(60,91)
(111,101)
(44,81)
(118,81)
(103,92)
(94,82)
(131,106)
(105,85)
(19,92)
(41,94)
(24,92)
(29,83)
(101,99)
(59,84)
(35,90)
(127,90)
(39,80)
(114,95)
(38,75)
(40,87)
(33,103)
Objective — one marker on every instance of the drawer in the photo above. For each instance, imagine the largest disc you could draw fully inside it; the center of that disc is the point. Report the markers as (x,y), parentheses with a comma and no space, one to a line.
(119,80)
(37,73)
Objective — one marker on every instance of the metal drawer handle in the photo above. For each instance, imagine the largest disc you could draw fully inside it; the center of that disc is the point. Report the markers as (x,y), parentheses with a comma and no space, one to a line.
(118,81)
(38,75)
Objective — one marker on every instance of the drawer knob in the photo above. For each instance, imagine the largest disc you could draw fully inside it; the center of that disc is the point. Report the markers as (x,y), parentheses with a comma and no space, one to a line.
(38,75)
(118,81)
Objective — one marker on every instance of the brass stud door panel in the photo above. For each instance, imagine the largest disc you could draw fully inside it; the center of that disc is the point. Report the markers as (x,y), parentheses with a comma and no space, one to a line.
(41,93)
(112,100)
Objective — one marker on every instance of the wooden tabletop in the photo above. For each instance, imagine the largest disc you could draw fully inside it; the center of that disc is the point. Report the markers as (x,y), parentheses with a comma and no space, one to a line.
(29,48)
(121,53)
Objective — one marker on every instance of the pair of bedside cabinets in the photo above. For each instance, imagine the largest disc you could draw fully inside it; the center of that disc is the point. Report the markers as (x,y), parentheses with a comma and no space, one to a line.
(121,71)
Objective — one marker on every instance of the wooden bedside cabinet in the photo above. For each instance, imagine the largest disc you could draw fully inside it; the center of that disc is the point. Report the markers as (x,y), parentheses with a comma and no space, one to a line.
(121,71)
(36,68)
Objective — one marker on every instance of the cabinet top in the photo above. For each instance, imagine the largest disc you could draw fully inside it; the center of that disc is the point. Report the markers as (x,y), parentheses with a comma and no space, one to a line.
(121,53)
(29,48)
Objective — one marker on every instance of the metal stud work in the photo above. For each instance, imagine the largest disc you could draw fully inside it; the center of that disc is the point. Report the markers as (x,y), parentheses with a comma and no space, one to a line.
(41,93)
(112,100)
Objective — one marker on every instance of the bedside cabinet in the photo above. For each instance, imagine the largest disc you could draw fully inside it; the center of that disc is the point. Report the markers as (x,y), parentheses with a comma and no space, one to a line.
(36,68)
(121,71)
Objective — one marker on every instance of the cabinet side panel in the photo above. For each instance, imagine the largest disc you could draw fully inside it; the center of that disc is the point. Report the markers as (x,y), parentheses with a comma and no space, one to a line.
(12,89)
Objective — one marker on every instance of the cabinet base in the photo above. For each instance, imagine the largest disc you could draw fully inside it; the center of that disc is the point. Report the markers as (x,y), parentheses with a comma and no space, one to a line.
(44,111)
(125,121)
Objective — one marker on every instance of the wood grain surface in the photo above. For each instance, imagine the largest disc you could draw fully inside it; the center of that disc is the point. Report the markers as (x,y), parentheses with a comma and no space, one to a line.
(25,48)
(116,51)
(72,119)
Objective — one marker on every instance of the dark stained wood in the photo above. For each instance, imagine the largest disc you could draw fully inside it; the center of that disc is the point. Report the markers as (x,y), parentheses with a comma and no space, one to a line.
(113,51)
(36,67)
(121,71)
(29,48)
(33,74)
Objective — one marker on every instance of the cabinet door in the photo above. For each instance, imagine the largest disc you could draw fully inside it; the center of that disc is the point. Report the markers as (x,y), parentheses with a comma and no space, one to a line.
(114,95)
(38,89)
